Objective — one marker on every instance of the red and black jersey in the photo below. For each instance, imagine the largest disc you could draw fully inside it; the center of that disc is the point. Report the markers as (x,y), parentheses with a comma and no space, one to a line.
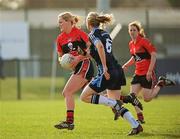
(73,42)
(141,51)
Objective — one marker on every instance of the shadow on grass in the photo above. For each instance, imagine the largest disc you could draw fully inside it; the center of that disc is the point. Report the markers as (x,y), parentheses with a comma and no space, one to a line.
(169,136)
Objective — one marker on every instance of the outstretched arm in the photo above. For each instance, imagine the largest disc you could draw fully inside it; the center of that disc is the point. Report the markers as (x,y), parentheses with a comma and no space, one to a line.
(79,58)
(128,63)
(151,66)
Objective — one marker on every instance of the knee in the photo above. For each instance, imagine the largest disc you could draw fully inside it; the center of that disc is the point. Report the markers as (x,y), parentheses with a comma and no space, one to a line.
(82,97)
(66,94)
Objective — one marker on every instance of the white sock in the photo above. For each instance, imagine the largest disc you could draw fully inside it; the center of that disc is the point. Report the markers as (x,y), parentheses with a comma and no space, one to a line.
(128,116)
(107,101)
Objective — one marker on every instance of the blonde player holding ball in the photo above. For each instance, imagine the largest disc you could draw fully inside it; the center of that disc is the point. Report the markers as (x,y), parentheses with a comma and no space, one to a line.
(70,41)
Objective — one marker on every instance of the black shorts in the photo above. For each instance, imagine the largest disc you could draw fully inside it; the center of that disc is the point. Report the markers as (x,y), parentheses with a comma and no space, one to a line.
(141,79)
(117,79)
(85,68)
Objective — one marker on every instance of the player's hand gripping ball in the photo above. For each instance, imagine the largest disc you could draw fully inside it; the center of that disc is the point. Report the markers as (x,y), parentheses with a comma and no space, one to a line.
(66,61)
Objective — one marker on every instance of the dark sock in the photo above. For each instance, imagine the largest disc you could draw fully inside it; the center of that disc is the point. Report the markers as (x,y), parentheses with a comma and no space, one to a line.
(122,98)
(95,99)
(123,111)
(70,116)
(125,99)
(140,116)
(113,110)
(160,84)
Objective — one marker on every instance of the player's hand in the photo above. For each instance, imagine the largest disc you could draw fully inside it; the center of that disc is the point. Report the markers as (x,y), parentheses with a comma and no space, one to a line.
(59,60)
(76,60)
(106,74)
(149,75)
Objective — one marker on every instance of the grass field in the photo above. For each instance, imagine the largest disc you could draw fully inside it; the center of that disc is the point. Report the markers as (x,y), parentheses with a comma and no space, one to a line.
(29,119)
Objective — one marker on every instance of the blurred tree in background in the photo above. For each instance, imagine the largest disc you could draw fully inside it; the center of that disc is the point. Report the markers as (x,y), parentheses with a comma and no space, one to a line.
(174,3)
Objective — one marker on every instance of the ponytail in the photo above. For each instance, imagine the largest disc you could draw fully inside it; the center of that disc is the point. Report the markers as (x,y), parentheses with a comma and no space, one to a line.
(96,20)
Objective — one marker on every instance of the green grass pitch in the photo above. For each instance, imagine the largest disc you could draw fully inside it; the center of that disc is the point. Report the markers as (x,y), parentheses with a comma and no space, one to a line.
(29,119)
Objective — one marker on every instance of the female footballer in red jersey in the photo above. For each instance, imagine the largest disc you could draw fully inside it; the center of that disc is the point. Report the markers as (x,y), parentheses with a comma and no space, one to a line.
(144,56)
(73,40)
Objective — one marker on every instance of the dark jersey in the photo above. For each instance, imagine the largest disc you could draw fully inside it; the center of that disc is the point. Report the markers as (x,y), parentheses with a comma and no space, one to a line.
(117,78)
(101,35)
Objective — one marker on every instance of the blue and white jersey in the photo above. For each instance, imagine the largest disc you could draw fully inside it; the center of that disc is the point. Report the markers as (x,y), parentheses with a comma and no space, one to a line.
(95,36)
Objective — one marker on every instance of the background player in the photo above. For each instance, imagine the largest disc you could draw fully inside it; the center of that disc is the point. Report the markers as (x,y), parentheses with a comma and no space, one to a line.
(144,57)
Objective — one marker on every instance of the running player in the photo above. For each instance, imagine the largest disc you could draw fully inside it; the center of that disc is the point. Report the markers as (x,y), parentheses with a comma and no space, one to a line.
(74,41)
(110,76)
(144,57)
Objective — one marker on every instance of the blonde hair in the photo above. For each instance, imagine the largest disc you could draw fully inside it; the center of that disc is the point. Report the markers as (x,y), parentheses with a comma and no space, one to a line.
(137,24)
(68,16)
(94,19)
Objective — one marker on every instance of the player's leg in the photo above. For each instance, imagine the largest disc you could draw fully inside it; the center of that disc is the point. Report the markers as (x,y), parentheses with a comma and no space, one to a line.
(115,96)
(146,86)
(83,73)
(131,98)
(87,93)
(74,84)
(153,92)
(113,91)
(137,88)
(126,114)
(125,99)
(91,94)
(163,81)
(149,94)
